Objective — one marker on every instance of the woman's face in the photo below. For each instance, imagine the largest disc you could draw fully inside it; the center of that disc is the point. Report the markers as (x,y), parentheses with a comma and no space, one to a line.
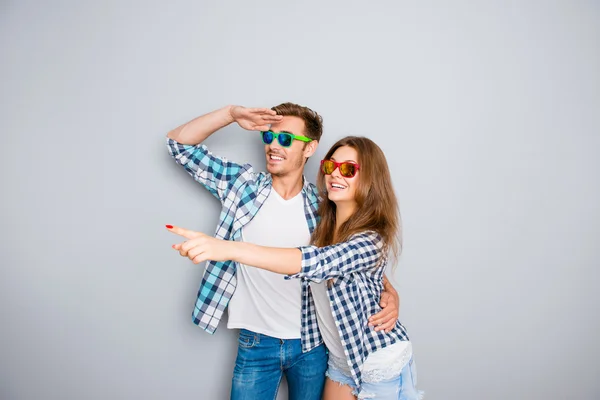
(341,189)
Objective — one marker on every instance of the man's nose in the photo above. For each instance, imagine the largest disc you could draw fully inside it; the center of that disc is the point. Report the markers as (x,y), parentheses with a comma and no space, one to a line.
(275,145)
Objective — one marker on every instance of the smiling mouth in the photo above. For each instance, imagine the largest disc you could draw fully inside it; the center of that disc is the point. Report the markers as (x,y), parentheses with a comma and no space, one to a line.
(337,186)
(275,157)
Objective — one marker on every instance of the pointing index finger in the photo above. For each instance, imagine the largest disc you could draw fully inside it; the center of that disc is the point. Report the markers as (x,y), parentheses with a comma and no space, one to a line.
(186,233)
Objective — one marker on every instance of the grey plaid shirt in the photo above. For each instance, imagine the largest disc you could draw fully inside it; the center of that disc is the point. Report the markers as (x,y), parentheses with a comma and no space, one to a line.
(242,192)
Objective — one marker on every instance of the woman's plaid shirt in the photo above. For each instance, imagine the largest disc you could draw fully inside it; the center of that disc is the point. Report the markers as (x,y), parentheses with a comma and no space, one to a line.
(356,267)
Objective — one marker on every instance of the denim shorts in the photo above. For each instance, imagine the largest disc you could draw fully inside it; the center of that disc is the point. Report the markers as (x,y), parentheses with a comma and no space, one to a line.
(402,387)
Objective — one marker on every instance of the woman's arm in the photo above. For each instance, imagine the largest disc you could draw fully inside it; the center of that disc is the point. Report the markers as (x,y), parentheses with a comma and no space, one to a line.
(274,259)
(200,247)
(310,262)
(363,251)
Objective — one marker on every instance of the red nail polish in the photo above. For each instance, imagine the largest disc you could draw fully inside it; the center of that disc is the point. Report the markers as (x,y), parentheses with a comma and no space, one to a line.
(169,226)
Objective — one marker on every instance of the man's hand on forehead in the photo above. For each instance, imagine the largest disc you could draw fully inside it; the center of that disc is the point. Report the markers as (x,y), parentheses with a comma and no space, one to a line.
(254,119)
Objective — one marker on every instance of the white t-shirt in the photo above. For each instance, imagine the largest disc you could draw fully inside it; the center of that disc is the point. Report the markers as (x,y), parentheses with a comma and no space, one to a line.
(265,302)
(327,326)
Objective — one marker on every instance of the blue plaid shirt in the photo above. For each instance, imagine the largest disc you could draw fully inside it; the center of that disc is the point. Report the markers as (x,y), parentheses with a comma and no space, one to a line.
(356,267)
(242,192)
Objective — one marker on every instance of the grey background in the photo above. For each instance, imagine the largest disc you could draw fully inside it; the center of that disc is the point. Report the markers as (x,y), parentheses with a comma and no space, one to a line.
(489,114)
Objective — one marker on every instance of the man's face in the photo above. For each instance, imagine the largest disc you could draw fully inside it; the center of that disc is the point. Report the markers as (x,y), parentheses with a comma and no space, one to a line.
(282,161)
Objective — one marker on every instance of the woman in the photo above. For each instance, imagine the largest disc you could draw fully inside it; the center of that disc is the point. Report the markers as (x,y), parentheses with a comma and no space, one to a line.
(342,272)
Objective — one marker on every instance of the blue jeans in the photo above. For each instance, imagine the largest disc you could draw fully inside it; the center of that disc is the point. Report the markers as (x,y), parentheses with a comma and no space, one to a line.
(402,387)
(262,360)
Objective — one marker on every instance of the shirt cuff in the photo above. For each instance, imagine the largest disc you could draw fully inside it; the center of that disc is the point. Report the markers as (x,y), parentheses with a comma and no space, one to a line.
(309,259)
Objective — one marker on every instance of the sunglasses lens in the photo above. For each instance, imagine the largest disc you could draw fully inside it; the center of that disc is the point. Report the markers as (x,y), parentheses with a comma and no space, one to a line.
(347,170)
(267,137)
(328,167)
(285,139)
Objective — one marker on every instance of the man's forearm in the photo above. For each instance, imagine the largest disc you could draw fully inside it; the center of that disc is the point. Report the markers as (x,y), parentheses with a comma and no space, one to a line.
(198,129)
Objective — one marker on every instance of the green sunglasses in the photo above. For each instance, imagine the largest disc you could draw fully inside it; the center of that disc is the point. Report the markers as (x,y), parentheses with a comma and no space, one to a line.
(285,139)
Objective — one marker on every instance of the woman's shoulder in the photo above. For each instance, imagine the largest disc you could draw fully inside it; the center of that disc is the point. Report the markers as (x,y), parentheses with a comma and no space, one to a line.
(367,237)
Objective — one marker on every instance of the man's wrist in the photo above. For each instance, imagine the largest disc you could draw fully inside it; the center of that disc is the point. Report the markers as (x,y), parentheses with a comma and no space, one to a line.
(388,287)
(230,117)
(386,284)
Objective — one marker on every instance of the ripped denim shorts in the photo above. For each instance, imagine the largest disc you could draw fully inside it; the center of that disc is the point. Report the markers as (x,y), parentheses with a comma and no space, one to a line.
(401,387)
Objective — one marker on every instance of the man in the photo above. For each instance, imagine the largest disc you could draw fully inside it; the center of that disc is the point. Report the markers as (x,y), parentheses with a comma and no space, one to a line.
(275,208)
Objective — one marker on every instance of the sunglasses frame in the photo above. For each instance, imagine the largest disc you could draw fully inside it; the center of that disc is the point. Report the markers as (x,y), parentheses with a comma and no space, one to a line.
(277,134)
(338,165)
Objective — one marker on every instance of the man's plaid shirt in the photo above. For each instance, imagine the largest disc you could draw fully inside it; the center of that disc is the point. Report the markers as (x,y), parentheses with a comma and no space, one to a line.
(242,192)
(356,266)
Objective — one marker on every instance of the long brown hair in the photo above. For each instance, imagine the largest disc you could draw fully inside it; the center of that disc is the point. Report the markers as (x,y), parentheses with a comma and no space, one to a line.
(377,203)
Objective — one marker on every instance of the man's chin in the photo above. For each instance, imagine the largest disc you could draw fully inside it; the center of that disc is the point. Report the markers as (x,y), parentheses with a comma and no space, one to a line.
(274,169)
(274,166)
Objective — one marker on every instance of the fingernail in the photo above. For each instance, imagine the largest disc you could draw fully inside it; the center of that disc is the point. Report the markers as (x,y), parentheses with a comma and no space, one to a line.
(173,246)
(169,226)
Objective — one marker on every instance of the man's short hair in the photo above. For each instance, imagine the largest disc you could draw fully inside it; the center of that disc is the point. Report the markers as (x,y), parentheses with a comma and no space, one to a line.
(312,120)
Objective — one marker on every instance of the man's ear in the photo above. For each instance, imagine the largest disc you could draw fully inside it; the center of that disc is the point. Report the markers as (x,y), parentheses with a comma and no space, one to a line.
(310,148)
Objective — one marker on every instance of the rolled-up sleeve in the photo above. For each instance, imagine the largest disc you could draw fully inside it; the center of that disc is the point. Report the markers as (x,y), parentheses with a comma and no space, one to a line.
(362,251)
(217,174)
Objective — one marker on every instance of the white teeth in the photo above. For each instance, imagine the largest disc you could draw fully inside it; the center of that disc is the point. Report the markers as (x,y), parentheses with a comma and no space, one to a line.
(273,157)
(335,185)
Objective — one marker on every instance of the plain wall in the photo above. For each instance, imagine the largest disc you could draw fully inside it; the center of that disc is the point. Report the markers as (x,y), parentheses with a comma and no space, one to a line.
(488,112)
